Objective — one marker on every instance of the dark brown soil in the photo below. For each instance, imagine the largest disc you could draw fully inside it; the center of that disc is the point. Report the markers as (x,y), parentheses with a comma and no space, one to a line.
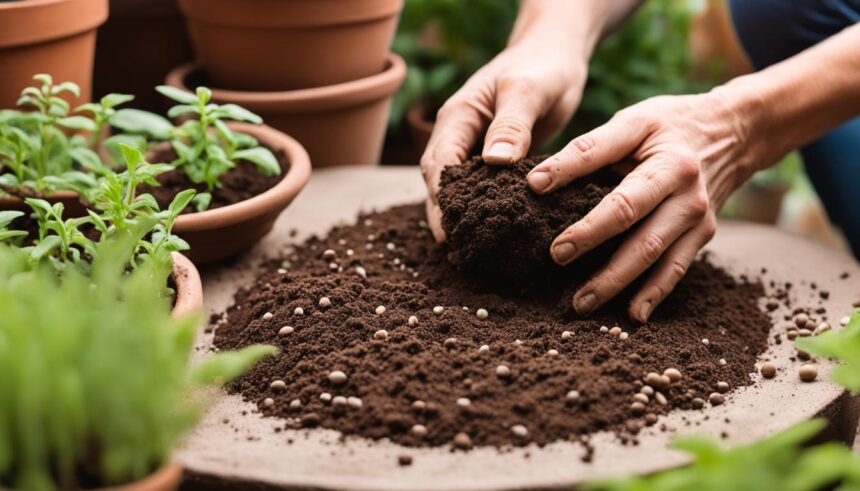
(438,360)
(237,184)
(500,231)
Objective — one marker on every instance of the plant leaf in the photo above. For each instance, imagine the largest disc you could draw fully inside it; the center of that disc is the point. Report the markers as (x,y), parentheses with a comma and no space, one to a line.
(261,157)
(142,122)
(224,367)
(81,123)
(177,95)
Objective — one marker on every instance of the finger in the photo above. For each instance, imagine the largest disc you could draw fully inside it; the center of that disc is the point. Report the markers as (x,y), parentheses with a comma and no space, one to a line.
(509,136)
(642,249)
(434,220)
(670,269)
(458,124)
(637,195)
(586,153)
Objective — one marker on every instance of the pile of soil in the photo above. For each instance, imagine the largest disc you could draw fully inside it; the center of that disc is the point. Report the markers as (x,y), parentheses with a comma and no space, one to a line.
(435,372)
(238,184)
(500,231)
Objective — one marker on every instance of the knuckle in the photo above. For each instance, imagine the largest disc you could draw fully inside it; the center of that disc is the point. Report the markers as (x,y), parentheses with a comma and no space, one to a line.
(651,247)
(516,84)
(710,227)
(583,143)
(510,125)
(677,270)
(687,168)
(699,205)
(622,209)
(609,282)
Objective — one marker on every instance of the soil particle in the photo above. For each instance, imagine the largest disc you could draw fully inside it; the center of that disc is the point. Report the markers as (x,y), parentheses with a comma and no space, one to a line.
(411,378)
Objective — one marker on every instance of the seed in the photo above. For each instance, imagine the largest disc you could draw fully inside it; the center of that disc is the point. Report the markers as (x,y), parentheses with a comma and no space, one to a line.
(482,314)
(333,266)
(650,419)
(800,319)
(339,401)
(282,271)
(552,352)
(804,333)
(450,343)
(808,372)
(299,311)
(462,441)
(673,373)
(810,324)
(268,402)
(360,271)
(502,371)
(647,390)
(329,254)
(350,252)
(285,331)
(640,397)
(419,430)
(404,460)
(722,387)
(464,402)
(656,380)
(268,316)
(572,395)
(844,321)
(566,335)
(803,355)
(483,349)
(413,321)
(791,335)
(278,385)
(390,246)
(768,370)
(519,431)
(337,377)
(380,334)
(615,331)
(380,310)
(354,402)
(705,341)
(518,342)
(438,310)
(418,404)
(660,398)
(698,403)
(823,327)
(371,237)
(295,404)
(637,407)
(325,397)
(604,329)
(623,335)
(325,302)
(716,398)
(723,361)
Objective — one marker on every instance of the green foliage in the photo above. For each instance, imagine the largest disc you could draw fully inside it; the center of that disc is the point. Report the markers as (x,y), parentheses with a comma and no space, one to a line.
(842,345)
(97,385)
(779,462)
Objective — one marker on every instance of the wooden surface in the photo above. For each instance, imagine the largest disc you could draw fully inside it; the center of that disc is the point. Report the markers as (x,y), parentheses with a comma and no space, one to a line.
(255,457)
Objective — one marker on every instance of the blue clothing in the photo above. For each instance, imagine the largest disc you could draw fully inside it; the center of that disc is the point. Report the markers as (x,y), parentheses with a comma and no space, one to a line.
(773,30)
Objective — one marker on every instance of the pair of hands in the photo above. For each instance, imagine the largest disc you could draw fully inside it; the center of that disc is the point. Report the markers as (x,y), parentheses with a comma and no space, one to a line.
(687,155)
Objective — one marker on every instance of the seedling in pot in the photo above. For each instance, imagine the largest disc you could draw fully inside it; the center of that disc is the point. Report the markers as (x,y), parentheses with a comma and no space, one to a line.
(205,146)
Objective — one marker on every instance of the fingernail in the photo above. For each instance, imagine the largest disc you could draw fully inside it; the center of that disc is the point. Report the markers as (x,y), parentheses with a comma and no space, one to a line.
(500,152)
(585,303)
(563,252)
(539,181)
(645,311)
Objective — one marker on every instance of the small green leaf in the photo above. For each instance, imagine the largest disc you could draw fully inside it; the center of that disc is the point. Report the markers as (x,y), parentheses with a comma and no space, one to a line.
(81,123)
(204,95)
(202,201)
(6,217)
(261,157)
(224,367)
(180,201)
(114,100)
(181,110)
(46,246)
(142,122)
(177,95)
(239,113)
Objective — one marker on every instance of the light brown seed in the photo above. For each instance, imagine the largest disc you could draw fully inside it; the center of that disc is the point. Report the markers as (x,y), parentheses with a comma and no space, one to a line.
(419,431)
(450,343)
(502,371)
(520,431)
(647,390)
(640,397)
(698,403)
(380,334)
(438,309)
(413,321)
(768,370)
(380,310)
(325,302)
(803,355)
(653,379)
(482,314)
(716,398)
(722,387)
(801,319)
(268,316)
(637,407)
(615,331)
(462,441)
(804,333)
(808,373)
(278,385)
(285,331)
(650,419)
(572,395)
(337,377)
(673,373)
(566,335)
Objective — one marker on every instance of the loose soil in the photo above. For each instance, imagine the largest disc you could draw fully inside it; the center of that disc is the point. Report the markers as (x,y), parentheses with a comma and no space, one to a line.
(438,360)
(238,184)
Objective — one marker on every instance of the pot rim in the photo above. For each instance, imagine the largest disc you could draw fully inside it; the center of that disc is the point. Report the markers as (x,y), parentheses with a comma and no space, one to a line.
(39,21)
(315,99)
(189,287)
(289,14)
(277,197)
(9,199)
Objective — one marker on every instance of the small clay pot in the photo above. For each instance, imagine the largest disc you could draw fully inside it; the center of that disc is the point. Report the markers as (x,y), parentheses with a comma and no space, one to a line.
(278,45)
(57,37)
(420,126)
(188,287)
(165,479)
(72,205)
(341,124)
(223,232)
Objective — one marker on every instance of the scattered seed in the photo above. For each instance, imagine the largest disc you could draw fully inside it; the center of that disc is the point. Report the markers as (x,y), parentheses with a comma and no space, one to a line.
(329,254)
(333,266)
(640,397)
(654,379)
(647,390)
(604,329)
(791,335)
(419,431)
(502,371)
(282,271)
(552,352)
(450,343)
(462,441)
(722,387)
(278,385)
(483,349)
(268,316)
(299,311)
(390,246)
(810,324)
(295,404)
(337,377)
(804,333)
(418,404)
(339,401)
(325,302)
(572,395)
(413,321)
(803,355)
(520,431)
(404,460)
(360,271)
(660,398)
(801,319)
(808,372)
(482,314)
(464,402)
(518,342)
(325,397)
(823,327)
(354,402)
(673,373)
(705,341)
(768,370)
(285,331)
(566,335)
(650,419)
(623,335)
(698,403)
(380,334)
(716,398)
(350,252)
(637,407)
(615,331)
(844,321)
(380,310)
(438,310)
(268,402)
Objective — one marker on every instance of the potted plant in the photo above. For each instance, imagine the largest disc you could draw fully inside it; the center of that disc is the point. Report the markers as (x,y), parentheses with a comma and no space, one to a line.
(245,173)
(341,124)
(321,42)
(38,36)
(97,385)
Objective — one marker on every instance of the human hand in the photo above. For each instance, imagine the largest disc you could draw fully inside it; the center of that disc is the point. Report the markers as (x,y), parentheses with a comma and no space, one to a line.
(689,152)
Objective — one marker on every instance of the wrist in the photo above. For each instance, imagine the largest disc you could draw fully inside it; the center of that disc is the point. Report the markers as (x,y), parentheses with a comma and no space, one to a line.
(743,107)
(572,28)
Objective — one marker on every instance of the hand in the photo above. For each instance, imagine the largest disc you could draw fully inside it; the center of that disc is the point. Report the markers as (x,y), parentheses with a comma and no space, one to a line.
(528,91)
(690,153)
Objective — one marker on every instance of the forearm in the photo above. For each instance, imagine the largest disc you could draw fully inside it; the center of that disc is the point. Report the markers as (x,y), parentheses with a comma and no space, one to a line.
(796,101)
(575,25)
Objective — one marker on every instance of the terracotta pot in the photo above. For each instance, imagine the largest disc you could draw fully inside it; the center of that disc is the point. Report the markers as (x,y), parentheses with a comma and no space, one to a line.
(189,288)
(223,232)
(290,44)
(420,127)
(140,42)
(48,36)
(165,479)
(72,206)
(340,124)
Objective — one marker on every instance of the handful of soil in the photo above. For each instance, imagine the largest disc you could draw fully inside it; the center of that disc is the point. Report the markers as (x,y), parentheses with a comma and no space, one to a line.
(500,231)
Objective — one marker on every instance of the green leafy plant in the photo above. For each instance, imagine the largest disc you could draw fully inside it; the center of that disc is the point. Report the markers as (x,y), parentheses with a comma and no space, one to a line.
(205,146)
(97,384)
(7,234)
(842,345)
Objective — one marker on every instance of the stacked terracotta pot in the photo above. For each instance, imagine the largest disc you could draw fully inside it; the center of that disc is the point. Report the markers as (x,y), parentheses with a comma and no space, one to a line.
(319,70)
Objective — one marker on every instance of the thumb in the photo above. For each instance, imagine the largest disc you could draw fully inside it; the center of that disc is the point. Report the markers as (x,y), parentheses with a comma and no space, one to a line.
(510,133)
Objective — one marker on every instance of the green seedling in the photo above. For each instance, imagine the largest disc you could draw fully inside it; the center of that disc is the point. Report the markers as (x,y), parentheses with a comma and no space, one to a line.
(6,234)
(98,387)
